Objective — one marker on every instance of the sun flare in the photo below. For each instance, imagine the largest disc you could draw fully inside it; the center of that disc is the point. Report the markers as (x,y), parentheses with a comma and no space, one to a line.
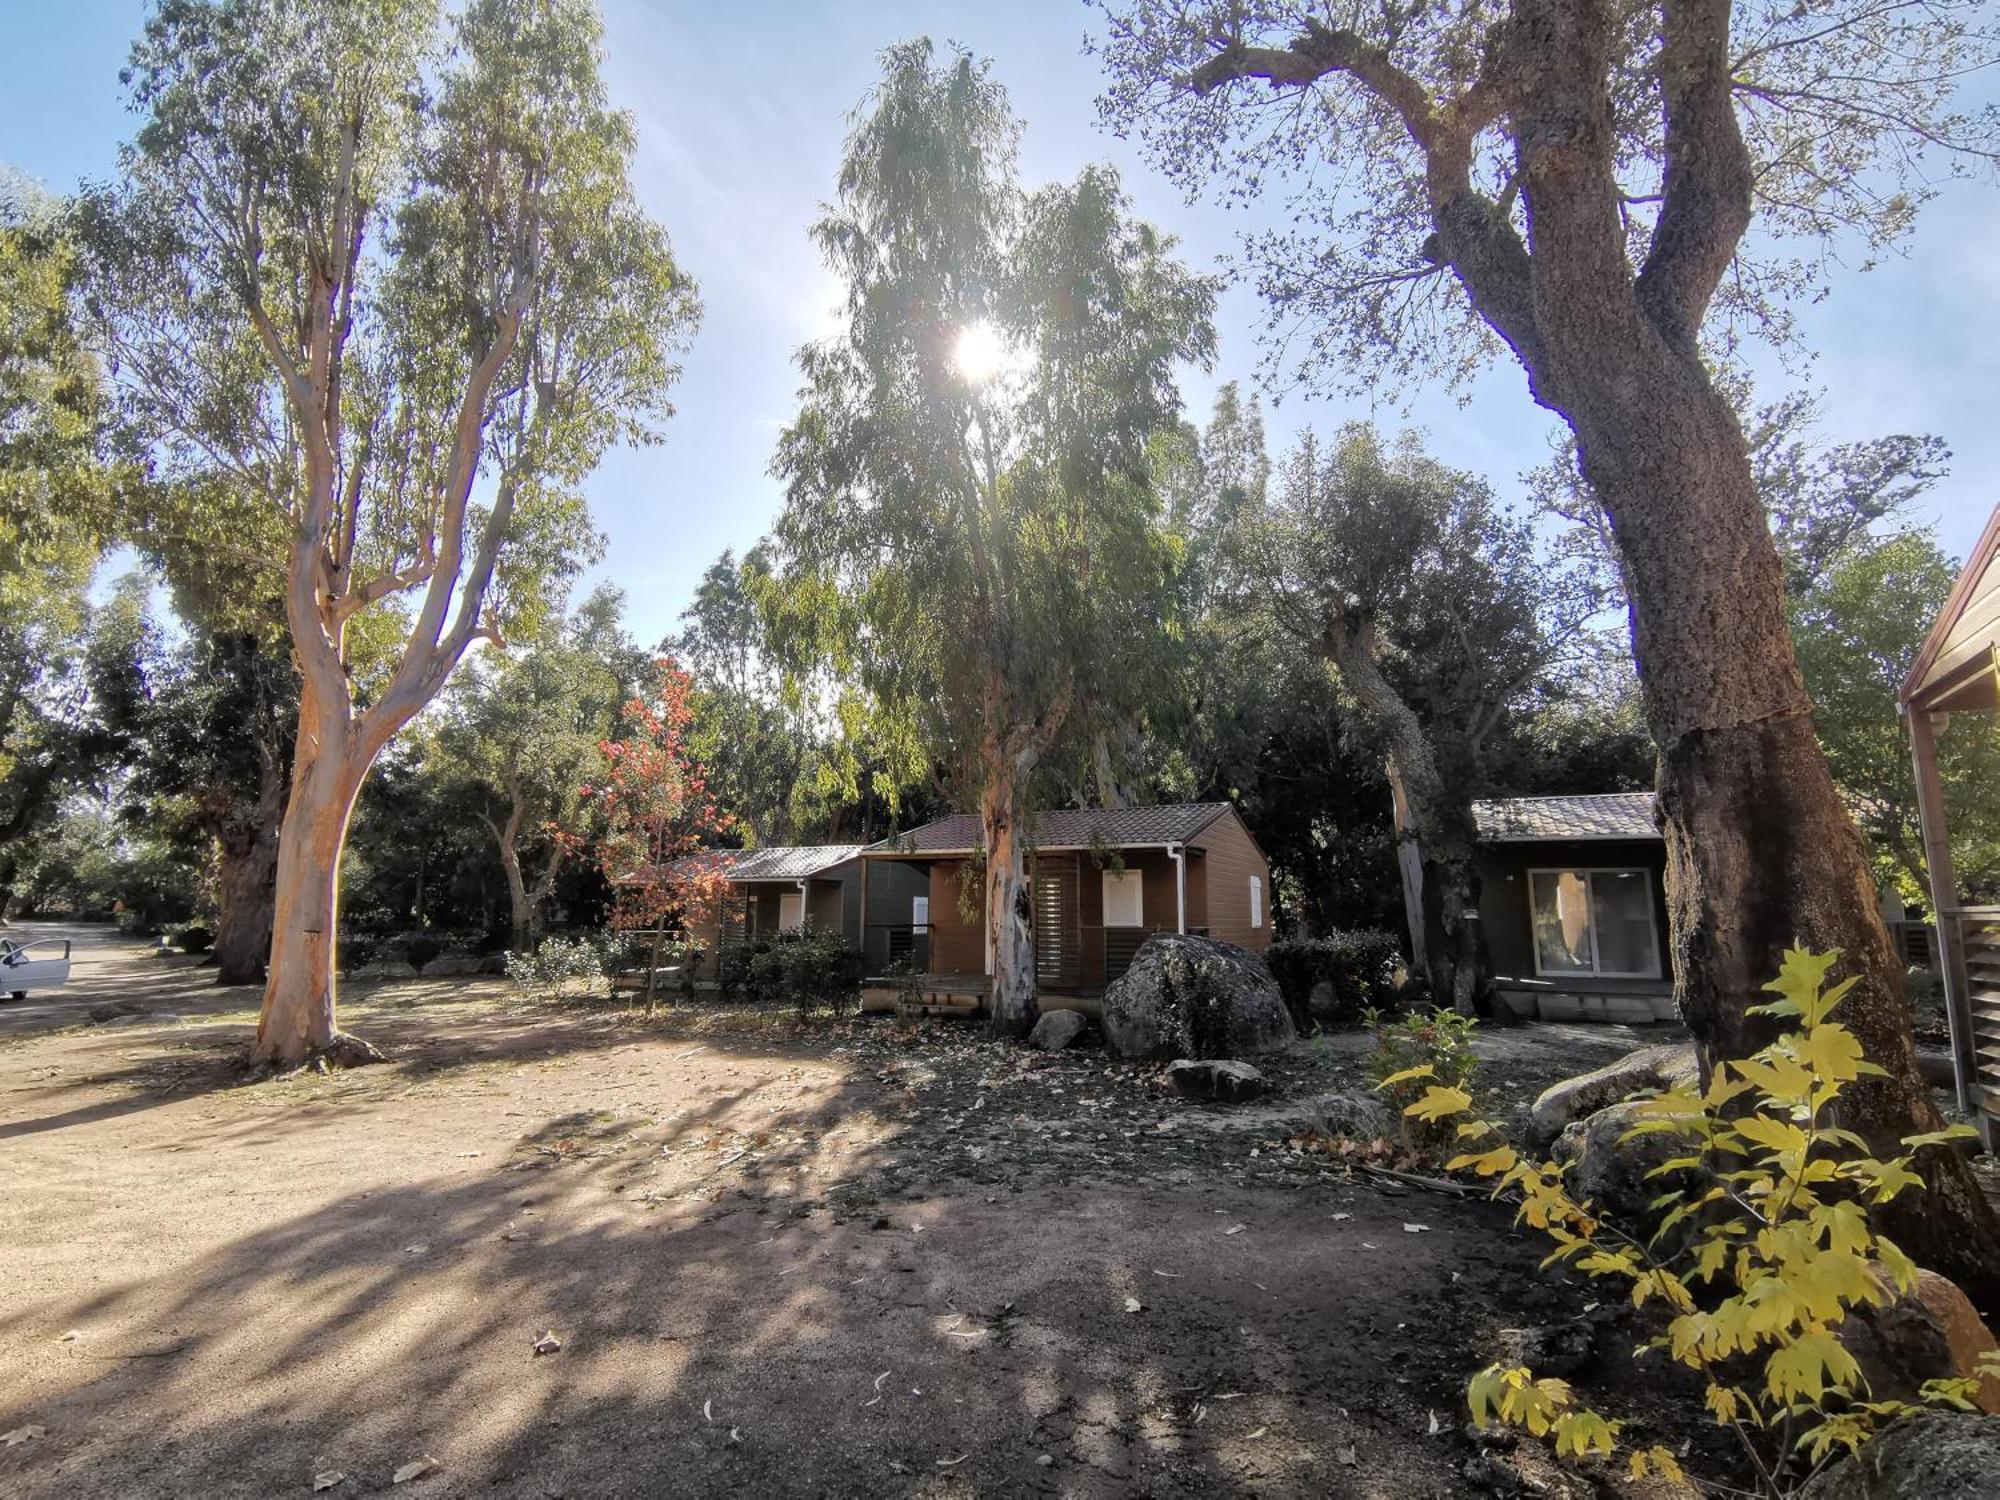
(980,353)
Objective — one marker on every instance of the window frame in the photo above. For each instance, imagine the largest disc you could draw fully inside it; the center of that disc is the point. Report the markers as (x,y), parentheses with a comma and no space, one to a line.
(1256,902)
(1589,874)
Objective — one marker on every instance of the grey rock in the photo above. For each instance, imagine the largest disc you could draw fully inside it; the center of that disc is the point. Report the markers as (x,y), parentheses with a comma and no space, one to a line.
(1936,1455)
(116,1010)
(1216,1080)
(1194,997)
(1649,1068)
(1057,1029)
(385,968)
(1611,1172)
(1358,1117)
(1558,1349)
(448,965)
(1930,1332)
(492,963)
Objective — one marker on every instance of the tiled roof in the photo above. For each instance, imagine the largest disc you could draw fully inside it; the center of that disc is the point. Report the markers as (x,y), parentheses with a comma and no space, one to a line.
(1070,828)
(778,862)
(1610,815)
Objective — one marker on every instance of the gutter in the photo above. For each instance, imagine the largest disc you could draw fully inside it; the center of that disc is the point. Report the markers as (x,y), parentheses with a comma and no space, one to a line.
(1178,854)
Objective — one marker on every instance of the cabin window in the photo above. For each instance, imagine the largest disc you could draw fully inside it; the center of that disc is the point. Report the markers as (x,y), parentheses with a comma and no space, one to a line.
(791,910)
(1597,922)
(1256,901)
(1124,899)
(920,912)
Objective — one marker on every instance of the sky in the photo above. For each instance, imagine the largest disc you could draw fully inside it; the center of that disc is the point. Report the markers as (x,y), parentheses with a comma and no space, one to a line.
(741,111)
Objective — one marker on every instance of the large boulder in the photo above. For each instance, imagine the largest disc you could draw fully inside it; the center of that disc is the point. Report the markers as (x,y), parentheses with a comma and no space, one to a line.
(1194,997)
(1930,1332)
(1218,1081)
(1935,1455)
(1611,1172)
(1057,1029)
(452,965)
(1648,1069)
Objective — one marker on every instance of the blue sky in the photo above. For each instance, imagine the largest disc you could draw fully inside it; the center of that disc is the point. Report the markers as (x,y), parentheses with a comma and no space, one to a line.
(741,110)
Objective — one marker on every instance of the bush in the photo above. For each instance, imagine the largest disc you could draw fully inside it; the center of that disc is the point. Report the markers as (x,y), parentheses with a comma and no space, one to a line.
(1360,967)
(1425,1047)
(560,969)
(194,940)
(801,967)
(1777,1246)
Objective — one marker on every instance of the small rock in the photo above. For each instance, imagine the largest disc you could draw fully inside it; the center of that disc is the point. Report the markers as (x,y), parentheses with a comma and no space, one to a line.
(1057,1029)
(1929,1333)
(115,1010)
(328,1479)
(1046,1460)
(416,1468)
(1219,1080)
(1560,1350)
(548,1343)
(21,1435)
(1355,1117)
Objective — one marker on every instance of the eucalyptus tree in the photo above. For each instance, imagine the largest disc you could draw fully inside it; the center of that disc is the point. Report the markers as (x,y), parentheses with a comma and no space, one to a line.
(970,507)
(386,272)
(1577,183)
(522,737)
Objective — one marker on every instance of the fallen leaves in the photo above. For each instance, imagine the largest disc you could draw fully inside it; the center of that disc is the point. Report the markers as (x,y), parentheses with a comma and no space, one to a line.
(416,1468)
(328,1479)
(1416,1229)
(70,1337)
(1133,1304)
(548,1343)
(1236,1228)
(22,1435)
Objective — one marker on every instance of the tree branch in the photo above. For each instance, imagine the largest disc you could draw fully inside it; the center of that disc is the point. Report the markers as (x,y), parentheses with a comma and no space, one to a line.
(1705,207)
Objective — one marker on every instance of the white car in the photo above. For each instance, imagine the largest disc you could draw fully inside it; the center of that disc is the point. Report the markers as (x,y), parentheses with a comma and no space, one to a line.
(32,966)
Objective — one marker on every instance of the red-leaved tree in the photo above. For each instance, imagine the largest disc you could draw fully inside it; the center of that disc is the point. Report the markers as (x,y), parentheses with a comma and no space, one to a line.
(659,822)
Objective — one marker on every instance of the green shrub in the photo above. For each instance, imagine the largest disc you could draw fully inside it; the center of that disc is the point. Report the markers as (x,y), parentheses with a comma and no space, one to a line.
(802,967)
(420,948)
(194,940)
(1360,966)
(560,969)
(1424,1048)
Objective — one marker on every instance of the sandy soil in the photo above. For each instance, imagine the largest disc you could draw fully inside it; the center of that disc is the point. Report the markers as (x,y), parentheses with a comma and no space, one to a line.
(840,1259)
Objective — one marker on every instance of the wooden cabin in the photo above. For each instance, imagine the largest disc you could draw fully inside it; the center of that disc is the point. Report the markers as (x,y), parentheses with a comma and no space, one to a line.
(1572,906)
(1957,672)
(780,888)
(1101,879)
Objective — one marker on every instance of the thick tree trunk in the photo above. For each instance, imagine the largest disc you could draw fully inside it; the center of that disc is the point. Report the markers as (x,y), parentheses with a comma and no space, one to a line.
(1761,852)
(297,1022)
(246,866)
(1009,916)
(520,921)
(247,870)
(1437,821)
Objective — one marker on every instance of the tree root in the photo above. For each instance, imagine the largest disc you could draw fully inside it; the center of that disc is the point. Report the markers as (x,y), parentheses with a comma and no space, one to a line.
(344,1050)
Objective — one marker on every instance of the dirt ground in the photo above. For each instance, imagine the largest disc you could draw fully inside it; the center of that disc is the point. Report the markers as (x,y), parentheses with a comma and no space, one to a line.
(843,1258)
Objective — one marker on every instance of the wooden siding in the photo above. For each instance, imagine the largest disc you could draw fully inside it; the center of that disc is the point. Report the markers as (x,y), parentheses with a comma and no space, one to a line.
(958,946)
(1230,858)
(1956,668)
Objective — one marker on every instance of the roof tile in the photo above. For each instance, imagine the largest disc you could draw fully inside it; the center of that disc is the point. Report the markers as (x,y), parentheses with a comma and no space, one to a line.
(1609,815)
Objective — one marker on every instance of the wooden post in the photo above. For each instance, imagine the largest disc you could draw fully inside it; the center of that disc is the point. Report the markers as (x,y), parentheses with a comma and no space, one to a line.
(862,936)
(1944,903)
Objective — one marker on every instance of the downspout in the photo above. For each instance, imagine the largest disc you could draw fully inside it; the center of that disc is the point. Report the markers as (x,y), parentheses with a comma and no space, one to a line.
(805,904)
(1178,854)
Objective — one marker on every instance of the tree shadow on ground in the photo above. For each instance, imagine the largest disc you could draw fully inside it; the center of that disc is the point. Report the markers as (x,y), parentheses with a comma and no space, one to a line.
(736,1317)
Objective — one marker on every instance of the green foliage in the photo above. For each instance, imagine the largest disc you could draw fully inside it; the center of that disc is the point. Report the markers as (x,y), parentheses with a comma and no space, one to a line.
(1776,1245)
(972,541)
(560,969)
(1414,1058)
(802,967)
(1360,967)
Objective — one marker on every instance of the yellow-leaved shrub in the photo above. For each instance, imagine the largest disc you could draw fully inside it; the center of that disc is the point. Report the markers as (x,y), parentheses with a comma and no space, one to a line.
(1773,1250)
